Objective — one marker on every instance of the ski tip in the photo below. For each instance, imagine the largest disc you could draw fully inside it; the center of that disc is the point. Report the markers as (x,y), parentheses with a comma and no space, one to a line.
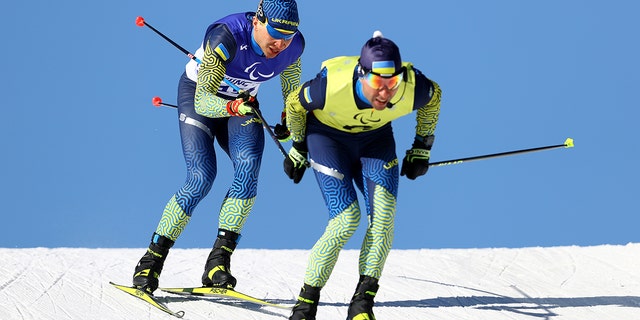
(568,143)
(147,297)
(140,21)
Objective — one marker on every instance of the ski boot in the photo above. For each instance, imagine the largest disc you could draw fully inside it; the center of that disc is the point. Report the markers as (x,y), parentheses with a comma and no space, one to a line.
(217,270)
(361,306)
(307,305)
(147,272)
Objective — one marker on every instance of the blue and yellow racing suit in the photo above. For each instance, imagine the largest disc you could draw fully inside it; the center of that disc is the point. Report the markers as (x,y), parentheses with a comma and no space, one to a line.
(352,145)
(229,54)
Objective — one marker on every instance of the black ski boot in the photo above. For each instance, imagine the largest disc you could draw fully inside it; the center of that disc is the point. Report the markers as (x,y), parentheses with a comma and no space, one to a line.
(307,305)
(217,270)
(361,306)
(147,272)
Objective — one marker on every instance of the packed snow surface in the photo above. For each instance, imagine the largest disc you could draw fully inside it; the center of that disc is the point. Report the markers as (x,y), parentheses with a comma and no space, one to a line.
(580,283)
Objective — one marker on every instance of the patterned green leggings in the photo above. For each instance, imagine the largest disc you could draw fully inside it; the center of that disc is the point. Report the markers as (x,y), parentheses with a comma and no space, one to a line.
(375,245)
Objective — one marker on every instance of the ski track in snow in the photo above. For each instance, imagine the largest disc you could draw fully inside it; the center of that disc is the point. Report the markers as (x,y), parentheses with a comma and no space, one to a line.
(555,283)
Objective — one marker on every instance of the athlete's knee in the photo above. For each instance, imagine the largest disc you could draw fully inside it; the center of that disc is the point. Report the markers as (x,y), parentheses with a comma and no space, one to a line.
(344,225)
(247,166)
(197,184)
(346,232)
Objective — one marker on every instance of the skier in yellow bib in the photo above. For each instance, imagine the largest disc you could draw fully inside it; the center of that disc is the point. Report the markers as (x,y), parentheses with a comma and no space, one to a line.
(340,122)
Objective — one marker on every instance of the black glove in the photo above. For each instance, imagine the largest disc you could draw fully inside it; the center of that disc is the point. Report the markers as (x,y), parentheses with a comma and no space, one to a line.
(243,104)
(280,130)
(416,161)
(295,162)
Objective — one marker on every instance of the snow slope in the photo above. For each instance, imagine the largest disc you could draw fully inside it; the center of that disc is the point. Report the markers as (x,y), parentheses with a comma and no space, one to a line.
(581,283)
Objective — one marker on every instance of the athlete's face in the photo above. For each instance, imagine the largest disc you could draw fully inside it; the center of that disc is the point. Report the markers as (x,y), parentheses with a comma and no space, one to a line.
(378,98)
(270,46)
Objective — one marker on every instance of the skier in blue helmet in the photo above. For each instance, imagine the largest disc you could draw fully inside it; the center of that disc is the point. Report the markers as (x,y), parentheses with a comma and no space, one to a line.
(215,101)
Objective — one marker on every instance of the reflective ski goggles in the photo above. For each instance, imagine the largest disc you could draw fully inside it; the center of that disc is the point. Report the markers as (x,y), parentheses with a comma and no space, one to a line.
(377,81)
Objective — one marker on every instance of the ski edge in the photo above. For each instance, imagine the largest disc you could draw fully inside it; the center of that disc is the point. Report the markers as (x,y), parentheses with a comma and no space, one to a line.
(148,299)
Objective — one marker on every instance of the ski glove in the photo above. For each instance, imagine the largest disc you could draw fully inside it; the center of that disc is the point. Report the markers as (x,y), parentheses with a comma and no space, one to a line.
(242,105)
(295,162)
(416,161)
(280,130)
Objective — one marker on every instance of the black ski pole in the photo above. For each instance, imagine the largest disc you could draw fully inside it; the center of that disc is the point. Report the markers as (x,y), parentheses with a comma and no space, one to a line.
(157,101)
(567,144)
(266,127)
(141,23)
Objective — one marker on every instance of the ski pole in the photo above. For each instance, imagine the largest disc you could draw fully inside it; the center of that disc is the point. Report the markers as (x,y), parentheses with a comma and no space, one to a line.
(266,127)
(141,23)
(567,144)
(157,101)
(273,135)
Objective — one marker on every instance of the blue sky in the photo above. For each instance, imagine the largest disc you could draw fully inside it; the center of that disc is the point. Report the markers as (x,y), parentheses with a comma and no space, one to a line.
(89,162)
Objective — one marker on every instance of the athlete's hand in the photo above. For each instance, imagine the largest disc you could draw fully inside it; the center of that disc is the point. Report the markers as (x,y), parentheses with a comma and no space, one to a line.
(416,161)
(295,162)
(280,130)
(243,104)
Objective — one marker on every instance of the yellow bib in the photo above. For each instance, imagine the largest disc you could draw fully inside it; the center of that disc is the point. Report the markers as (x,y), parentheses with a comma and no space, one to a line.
(340,110)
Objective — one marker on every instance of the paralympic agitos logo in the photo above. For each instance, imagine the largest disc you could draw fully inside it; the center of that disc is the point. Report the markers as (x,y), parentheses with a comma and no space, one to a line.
(364,118)
(253,69)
